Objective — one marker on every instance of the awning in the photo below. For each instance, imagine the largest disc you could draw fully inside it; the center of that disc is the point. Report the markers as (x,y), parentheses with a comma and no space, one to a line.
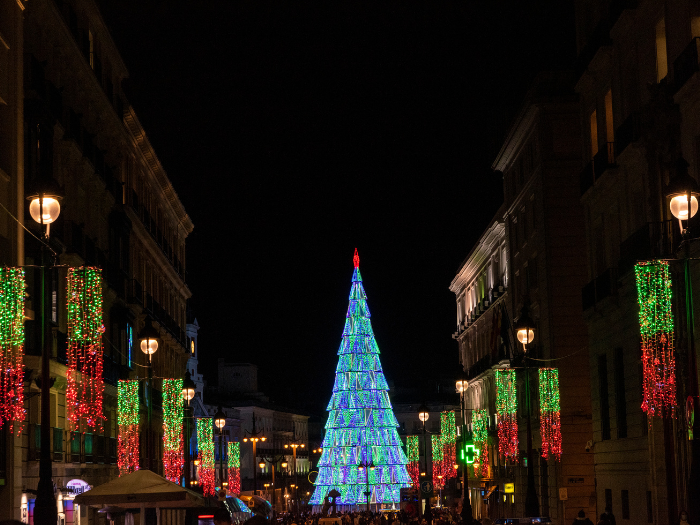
(142,488)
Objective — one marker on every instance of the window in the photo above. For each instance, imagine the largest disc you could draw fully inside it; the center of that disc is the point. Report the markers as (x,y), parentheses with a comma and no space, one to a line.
(620,402)
(594,133)
(91,49)
(625,505)
(609,131)
(192,344)
(603,394)
(661,57)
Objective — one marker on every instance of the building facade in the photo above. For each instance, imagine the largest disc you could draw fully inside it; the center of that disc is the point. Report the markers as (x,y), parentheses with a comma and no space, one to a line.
(66,119)
(538,241)
(639,86)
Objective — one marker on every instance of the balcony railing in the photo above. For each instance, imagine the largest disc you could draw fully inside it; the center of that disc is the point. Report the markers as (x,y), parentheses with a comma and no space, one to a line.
(596,168)
(652,241)
(627,133)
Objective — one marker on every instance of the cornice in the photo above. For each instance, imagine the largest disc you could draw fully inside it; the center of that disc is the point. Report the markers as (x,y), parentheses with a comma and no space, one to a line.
(165,186)
(483,250)
(517,135)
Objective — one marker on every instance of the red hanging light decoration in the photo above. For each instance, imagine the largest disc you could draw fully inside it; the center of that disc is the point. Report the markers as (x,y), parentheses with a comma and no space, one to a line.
(234,467)
(506,408)
(480,431)
(413,456)
(205,444)
(85,355)
(656,328)
(173,413)
(128,421)
(550,413)
(11,347)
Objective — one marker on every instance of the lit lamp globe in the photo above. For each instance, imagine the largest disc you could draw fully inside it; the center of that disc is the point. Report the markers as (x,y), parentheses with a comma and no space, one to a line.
(220,420)
(261,464)
(188,387)
(284,464)
(683,188)
(149,339)
(462,385)
(423,413)
(525,329)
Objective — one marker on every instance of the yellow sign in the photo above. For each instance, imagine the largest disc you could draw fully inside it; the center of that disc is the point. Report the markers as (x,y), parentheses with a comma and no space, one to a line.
(509,488)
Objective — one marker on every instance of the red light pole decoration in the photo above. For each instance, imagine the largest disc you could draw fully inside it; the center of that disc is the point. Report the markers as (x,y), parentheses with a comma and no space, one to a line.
(173,451)
(128,421)
(656,327)
(480,432)
(550,424)
(413,455)
(448,431)
(11,346)
(234,467)
(506,408)
(205,444)
(85,328)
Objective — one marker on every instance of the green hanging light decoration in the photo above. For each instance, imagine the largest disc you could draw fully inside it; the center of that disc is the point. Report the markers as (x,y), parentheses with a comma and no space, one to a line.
(173,415)
(480,431)
(234,467)
(448,431)
(656,328)
(11,347)
(438,461)
(506,409)
(128,422)
(413,455)
(205,445)
(550,413)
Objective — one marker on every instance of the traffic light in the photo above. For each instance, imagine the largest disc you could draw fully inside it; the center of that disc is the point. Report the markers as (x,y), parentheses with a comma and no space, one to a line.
(467,452)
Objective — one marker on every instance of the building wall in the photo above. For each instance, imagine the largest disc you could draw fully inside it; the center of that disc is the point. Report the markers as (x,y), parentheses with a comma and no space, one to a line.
(119,212)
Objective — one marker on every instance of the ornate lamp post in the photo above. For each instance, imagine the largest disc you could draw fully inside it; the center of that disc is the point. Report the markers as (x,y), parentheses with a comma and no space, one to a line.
(255,436)
(368,467)
(294,445)
(188,392)
(44,207)
(220,422)
(462,386)
(682,195)
(423,415)
(525,332)
(148,338)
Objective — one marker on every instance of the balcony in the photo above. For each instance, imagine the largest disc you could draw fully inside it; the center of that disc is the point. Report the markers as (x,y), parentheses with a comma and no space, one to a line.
(686,65)
(654,240)
(627,133)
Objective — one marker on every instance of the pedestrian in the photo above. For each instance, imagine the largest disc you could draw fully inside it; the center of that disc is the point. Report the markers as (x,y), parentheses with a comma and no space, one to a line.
(222,517)
(603,519)
(582,519)
(609,515)
(683,518)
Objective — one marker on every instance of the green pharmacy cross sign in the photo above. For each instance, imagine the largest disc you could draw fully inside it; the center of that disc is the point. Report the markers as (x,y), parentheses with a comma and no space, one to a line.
(467,453)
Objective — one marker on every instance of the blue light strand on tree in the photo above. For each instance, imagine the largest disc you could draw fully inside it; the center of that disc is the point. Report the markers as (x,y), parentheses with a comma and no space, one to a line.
(361,426)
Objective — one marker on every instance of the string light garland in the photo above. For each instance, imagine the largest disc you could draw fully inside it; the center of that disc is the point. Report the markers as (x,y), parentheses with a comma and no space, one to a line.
(507,408)
(234,467)
(85,355)
(361,426)
(11,347)
(173,414)
(656,328)
(128,422)
(438,461)
(448,431)
(205,445)
(480,432)
(413,455)
(550,424)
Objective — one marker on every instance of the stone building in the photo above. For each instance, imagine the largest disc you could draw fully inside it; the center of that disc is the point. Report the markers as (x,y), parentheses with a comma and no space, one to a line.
(537,241)
(637,77)
(64,117)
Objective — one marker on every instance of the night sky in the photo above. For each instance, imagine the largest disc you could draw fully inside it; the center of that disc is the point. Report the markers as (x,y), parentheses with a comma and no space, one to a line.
(295,131)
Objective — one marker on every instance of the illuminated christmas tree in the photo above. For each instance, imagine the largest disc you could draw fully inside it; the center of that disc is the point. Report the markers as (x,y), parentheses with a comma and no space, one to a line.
(361,437)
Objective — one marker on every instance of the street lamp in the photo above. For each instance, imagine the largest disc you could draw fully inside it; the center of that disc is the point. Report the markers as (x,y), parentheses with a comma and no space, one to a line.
(525,332)
(366,466)
(423,415)
(148,342)
(462,386)
(188,391)
(44,208)
(294,445)
(255,436)
(220,422)
(682,194)
(273,462)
